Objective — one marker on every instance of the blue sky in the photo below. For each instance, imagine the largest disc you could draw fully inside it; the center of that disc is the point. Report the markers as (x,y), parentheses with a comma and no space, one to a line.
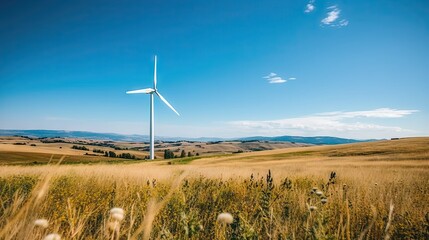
(355,69)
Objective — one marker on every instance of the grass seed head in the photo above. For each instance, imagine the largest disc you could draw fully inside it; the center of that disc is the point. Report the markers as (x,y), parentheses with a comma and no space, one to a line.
(324,200)
(313,208)
(43,223)
(319,193)
(225,218)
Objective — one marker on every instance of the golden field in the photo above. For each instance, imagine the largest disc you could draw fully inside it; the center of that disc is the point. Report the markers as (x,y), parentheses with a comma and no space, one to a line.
(379,190)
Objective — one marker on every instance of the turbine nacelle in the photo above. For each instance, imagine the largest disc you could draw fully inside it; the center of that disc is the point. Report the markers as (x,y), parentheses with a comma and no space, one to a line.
(151,91)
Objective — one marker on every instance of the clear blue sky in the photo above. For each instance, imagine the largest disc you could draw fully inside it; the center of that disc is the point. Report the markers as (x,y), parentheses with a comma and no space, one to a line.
(356,69)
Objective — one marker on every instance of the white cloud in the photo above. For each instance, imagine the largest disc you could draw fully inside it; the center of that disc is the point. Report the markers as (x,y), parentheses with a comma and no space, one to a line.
(377,113)
(292,78)
(274,78)
(309,7)
(332,15)
(344,124)
(333,18)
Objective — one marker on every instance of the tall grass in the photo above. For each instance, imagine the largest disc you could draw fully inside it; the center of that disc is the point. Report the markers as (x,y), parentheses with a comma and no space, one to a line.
(263,206)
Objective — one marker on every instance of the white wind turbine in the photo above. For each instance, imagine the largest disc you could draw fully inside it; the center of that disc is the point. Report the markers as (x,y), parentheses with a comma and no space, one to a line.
(151,91)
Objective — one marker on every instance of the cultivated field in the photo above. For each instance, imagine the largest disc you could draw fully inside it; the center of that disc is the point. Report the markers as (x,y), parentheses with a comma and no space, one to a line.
(356,191)
(24,150)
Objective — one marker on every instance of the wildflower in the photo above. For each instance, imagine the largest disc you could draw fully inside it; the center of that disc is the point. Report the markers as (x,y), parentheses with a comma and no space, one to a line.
(312,208)
(225,218)
(319,193)
(117,214)
(52,236)
(43,223)
(324,200)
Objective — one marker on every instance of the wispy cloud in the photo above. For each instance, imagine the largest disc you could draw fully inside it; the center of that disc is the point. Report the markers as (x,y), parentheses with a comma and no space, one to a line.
(309,7)
(333,15)
(333,18)
(330,123)
(277,80)
(271,75)
(274,78)
(343,23)
(377,113)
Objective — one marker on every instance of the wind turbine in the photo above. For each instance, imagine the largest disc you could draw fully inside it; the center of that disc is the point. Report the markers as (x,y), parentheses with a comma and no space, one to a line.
(151,91)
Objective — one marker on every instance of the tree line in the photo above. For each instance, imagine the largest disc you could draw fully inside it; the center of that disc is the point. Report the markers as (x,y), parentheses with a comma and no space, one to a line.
(168,154)
(80,148)
(108,153)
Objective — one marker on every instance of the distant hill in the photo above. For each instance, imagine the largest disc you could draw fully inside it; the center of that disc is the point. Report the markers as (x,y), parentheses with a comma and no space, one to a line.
(96,136)
(74,134)
(320,140)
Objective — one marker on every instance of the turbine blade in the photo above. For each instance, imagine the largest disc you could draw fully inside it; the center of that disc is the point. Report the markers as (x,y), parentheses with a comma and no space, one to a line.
(146,90)
(166,102)
(154,75)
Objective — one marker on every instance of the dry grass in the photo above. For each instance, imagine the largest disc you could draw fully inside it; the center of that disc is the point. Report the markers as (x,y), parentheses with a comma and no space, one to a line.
(380,190)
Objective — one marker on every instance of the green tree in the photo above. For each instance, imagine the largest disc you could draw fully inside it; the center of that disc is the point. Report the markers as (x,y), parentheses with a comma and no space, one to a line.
(126,156)
(112,154)
(183,154)
(80,147)
(168,154)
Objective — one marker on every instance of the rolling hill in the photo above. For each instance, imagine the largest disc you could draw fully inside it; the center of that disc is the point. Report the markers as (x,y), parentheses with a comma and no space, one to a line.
(318,140)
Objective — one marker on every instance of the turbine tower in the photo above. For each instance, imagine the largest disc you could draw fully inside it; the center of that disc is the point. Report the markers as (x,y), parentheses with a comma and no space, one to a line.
(151,91)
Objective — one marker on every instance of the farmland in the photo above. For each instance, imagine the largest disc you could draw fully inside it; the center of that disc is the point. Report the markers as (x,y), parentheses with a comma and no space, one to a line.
(354,191)
(25,150)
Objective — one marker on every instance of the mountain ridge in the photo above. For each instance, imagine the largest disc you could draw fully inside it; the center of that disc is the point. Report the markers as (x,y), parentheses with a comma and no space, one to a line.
(317,140)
